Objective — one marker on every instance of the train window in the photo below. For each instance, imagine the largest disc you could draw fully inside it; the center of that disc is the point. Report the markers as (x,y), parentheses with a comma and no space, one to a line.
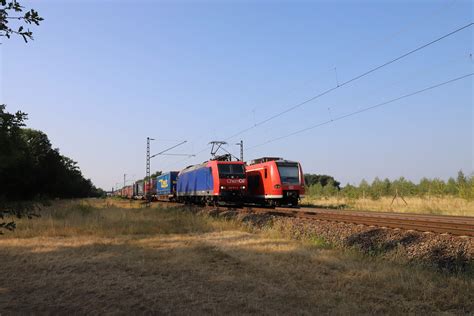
(289,173)
(266,173)
(238,169)
(225,169)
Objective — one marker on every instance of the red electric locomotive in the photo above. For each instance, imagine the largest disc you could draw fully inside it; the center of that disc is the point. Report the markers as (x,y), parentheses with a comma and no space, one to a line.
(212,182)
(275,181)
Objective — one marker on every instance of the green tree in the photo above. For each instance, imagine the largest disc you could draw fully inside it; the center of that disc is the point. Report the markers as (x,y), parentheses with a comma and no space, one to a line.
(311,179)
(13,20)
(376,189)
(471,186)
(351,192)
(437,187)
(330,189)
(315,190)
(364,188)
(153,175)
(463,185)
(452,187)
(31,169)
(424,187)
(404,187)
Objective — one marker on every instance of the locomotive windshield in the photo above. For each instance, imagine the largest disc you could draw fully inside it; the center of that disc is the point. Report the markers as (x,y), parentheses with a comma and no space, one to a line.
(289,173)
(231,170)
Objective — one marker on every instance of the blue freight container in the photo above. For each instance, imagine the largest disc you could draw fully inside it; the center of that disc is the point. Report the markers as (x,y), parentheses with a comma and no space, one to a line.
(195,180)
(166,183)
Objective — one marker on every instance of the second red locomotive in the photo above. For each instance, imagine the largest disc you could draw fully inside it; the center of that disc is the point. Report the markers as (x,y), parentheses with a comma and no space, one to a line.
(275,181)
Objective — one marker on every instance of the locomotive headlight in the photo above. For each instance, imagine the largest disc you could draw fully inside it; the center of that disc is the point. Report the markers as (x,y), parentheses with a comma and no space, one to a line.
(243,187)
(277,186)
(222,187)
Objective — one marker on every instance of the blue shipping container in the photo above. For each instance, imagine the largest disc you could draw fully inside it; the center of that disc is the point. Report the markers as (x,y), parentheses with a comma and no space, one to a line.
(166,183)
(196,180)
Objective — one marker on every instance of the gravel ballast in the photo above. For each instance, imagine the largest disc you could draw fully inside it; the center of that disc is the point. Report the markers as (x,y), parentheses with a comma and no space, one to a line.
(443,251)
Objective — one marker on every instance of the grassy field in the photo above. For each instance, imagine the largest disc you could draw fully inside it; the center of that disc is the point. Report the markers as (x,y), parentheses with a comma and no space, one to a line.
(110,256)
(425,205)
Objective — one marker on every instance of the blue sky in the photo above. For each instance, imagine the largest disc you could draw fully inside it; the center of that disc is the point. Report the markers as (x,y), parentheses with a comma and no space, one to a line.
(101,76)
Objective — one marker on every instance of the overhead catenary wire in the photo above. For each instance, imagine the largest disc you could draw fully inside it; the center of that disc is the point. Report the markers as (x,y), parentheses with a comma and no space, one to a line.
(414,73)
(340,85)
(361,111)
(379,42)
(366,73)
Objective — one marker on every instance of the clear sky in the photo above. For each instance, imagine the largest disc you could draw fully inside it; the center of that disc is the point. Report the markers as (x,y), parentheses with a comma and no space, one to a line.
(101,76)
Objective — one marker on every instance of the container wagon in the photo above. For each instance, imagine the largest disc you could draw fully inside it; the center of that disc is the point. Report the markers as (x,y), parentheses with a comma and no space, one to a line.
(165,186)
(150,188)
(127,192)
(138,191)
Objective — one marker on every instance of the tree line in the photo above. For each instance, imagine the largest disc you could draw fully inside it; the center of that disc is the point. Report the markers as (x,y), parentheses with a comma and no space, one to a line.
(31,168)
(326,186)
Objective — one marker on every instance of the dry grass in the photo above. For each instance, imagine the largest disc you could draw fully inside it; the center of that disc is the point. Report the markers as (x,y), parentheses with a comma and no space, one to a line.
(100,258)
(426,205)
(111,218)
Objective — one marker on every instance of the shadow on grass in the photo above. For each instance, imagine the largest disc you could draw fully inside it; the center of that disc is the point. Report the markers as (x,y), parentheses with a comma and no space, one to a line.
(165,276)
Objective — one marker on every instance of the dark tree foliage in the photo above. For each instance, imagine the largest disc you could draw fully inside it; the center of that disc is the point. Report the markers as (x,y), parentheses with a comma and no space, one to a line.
(31,170)
(13,20)
(322,179)
(153,175)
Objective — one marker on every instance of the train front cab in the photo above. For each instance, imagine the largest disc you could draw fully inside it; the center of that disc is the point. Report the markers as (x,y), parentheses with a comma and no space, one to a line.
(213,182)
(275,182)
(232,181)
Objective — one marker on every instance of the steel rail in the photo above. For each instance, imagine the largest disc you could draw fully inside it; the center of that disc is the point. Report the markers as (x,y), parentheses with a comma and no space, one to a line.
(423,223)
(454,225)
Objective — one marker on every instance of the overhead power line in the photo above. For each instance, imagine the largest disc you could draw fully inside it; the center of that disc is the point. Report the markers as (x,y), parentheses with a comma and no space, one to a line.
(338,86)
(381,41)
(362,110)
(350,80)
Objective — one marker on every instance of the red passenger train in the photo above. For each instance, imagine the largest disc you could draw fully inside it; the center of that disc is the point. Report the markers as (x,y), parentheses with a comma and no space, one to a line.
(275,181)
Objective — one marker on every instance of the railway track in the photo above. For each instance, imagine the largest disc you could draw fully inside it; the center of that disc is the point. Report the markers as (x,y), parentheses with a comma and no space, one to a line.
(454,225)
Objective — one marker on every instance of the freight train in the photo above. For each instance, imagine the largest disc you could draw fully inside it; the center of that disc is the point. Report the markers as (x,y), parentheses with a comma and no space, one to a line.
(266,181)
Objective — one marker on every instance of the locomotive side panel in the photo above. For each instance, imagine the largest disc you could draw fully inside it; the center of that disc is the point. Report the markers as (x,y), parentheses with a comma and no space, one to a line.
(196,182)
(264,182)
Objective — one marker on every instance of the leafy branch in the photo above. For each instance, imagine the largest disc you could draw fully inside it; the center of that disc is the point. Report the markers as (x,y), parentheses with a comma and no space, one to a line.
(29,17)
